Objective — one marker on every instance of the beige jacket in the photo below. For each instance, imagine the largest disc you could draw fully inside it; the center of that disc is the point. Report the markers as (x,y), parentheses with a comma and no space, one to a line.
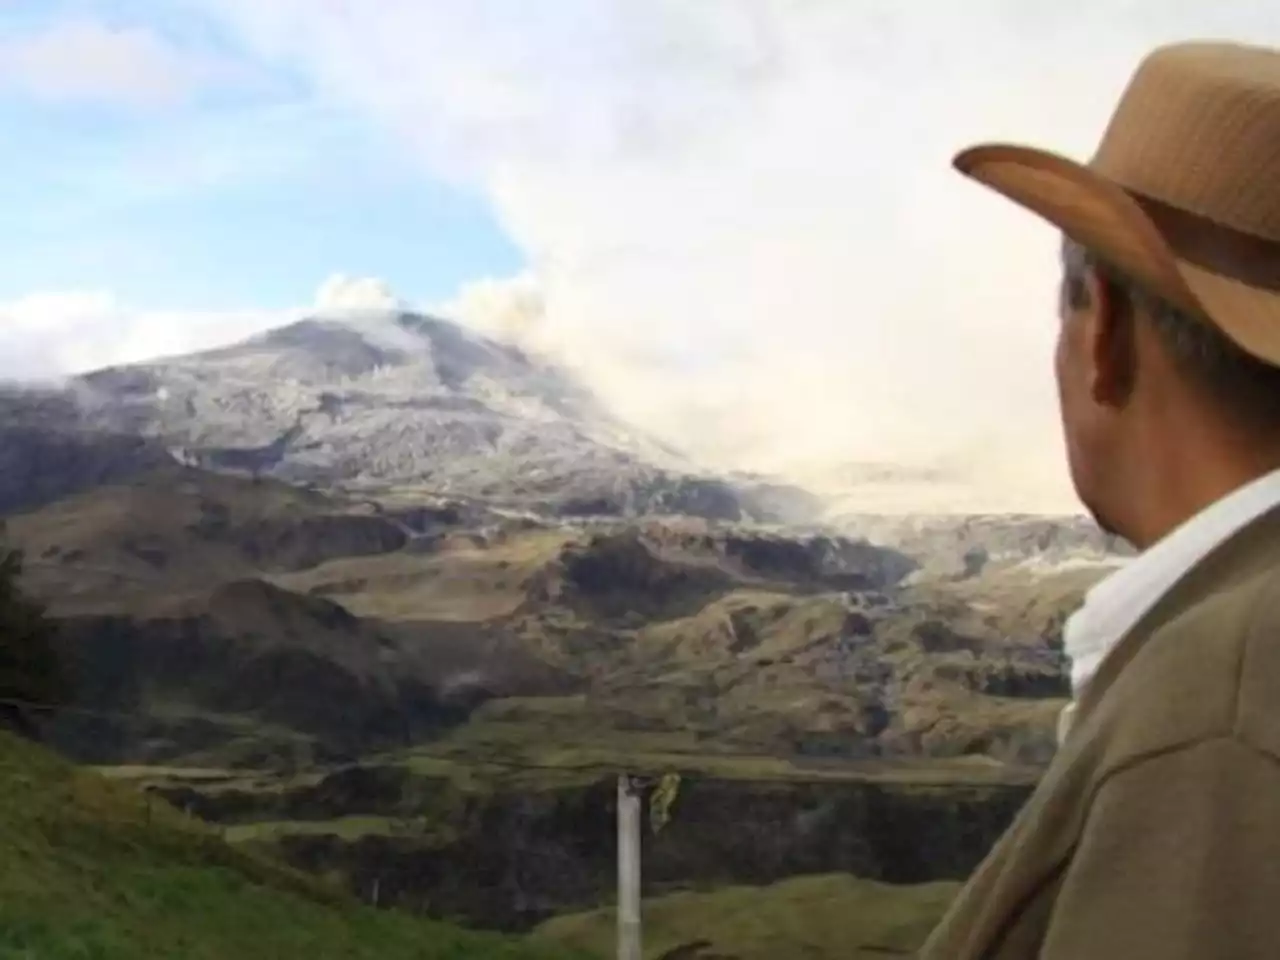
(1155,833)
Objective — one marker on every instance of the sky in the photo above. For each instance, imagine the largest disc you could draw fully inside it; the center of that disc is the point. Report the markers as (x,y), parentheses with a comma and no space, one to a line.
(735,218)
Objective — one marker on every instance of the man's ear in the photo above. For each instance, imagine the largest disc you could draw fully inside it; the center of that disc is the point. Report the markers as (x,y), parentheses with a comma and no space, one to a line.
(1108,330)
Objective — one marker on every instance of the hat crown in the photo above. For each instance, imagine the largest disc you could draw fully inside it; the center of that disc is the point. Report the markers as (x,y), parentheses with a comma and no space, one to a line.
(1198,128)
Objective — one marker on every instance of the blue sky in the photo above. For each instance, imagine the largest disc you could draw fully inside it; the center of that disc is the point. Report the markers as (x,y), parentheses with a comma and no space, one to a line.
(248,192)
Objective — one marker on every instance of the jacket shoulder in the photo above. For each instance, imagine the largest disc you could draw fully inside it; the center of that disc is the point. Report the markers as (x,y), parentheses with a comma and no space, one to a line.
(1209,672)
(1257,720)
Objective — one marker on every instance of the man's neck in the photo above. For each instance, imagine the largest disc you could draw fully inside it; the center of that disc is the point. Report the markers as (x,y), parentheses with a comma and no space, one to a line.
(1191,478)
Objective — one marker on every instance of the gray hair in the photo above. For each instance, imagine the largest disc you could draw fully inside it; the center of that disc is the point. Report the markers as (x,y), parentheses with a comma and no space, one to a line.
(1247,388)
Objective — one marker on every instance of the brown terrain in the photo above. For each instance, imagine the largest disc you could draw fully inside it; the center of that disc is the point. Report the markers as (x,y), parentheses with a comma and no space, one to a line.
(422,689)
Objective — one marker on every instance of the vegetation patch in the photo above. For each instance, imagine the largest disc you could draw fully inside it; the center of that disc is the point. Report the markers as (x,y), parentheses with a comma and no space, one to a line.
(93,869)
(833,917)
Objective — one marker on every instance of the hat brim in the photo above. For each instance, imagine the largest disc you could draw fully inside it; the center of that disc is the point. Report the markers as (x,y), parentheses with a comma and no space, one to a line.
(1100,214)
(1085,205)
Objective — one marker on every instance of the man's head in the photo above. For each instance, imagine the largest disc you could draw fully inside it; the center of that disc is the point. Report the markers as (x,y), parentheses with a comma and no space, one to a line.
(1162,412)
(1171,321)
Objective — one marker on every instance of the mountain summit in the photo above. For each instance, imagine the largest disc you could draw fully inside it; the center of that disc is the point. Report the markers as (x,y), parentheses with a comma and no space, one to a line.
(386,399)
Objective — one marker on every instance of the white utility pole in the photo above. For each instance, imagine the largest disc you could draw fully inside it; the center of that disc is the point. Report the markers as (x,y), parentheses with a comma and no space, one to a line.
(628,869)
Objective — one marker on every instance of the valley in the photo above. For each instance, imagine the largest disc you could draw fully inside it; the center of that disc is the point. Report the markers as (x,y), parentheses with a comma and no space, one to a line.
(395,604)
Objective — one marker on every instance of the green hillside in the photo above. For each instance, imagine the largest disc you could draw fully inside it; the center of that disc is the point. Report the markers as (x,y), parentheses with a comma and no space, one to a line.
(90,870)
(833,917)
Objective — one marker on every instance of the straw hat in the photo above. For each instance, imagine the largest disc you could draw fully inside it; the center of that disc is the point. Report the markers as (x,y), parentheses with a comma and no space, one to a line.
(1183,194)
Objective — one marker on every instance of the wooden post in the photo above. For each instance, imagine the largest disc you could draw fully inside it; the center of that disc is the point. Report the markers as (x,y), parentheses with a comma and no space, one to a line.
(628,869)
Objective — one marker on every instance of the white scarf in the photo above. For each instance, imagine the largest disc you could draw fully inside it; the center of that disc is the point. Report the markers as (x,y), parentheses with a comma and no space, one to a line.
(1114,606)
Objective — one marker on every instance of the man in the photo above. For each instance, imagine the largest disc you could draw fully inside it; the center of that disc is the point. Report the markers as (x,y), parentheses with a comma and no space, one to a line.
(1155,833)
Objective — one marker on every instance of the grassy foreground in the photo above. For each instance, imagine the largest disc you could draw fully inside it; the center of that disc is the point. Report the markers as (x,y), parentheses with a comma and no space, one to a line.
(836,917)
(90,870)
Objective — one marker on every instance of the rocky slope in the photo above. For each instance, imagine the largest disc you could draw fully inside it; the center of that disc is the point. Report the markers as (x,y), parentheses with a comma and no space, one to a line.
(203,602)
(968,545)
(511,857)
(47,451)
(288,670)
(375,401)
(222,608)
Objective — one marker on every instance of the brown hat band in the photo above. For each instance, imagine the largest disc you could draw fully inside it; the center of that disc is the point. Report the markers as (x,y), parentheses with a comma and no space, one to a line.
(1212,246)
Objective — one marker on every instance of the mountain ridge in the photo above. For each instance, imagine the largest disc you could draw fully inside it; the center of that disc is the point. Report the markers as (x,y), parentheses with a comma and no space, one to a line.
(390,399)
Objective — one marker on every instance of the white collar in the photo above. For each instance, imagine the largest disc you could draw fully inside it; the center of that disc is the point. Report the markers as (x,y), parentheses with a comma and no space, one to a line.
(1114,607)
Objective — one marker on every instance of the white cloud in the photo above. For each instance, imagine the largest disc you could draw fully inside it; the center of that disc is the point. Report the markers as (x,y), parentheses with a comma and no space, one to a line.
(51,335)
(341,293)
(511,309)
(740,216)
(741,212)
(84,60)
(368,305)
